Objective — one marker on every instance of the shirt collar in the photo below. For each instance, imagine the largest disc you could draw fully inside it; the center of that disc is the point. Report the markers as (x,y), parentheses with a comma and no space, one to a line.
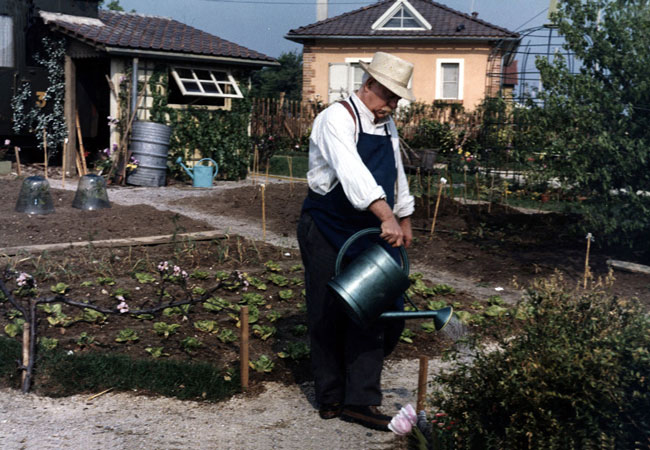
(366,113)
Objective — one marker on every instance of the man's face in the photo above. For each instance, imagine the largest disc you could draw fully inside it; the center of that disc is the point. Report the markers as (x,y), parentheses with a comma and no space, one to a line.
(381,101)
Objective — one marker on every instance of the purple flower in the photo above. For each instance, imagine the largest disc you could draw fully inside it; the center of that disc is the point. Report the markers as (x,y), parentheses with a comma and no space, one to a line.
(403,422)
(7,142)
(163,266)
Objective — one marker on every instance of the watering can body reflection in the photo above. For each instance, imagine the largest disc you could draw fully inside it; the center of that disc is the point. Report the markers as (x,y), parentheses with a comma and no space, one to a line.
(369,285)
(201,175)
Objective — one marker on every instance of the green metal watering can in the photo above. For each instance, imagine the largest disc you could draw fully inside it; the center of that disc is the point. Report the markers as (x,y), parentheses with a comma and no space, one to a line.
(202,176)
(369,286)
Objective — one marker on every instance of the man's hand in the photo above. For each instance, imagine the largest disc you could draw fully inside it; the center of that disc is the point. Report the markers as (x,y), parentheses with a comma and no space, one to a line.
(405,224)
(391,231)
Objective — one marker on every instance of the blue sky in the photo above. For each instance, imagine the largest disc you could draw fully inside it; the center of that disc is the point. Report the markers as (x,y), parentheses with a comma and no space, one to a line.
(262,24)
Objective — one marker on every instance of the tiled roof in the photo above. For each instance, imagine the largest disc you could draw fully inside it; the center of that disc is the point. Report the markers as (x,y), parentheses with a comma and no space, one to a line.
(445,23)
(137,31)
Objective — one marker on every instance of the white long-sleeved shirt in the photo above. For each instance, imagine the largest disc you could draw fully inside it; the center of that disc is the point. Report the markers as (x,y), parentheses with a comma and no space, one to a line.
(333,158)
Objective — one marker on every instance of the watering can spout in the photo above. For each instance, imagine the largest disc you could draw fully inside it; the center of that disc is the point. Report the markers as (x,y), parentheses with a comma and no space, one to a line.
(441,317)
(179,160)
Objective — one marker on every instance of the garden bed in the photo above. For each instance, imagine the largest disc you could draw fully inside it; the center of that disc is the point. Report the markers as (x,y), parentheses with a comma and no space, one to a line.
(476,248)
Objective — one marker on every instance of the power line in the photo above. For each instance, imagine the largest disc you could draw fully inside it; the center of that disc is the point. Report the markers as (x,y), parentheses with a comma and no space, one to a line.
(532,18)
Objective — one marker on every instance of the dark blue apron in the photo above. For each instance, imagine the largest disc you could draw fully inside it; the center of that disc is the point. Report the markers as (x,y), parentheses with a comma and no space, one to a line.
(333,213)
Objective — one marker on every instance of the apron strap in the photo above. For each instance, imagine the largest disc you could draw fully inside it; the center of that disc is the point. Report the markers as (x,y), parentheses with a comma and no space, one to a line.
(349,108)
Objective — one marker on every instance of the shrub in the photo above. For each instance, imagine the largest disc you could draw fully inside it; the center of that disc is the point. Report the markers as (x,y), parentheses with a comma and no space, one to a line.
(575,375)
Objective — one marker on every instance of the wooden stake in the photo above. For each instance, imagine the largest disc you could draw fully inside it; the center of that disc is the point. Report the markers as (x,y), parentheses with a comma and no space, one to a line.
(243,347)
(99,394)
(26,336)
(267,169)
(82,150)
(45,150)
(435,211)
(465,185)
(256,156)
(263,213)
(587,271)
(422,383)
(16,151)
(65,151)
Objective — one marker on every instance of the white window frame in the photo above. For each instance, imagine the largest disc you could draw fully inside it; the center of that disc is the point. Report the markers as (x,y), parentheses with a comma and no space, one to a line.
(231,82)
(352,62)
(390,12)
(7,49)
(439,77)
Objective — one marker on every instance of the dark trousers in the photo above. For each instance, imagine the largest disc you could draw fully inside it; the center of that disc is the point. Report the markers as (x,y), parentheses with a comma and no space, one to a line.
(346,359)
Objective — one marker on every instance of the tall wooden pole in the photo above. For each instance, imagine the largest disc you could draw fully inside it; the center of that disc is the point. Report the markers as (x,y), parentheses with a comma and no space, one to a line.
(422,383)
(243,347)
(45,150)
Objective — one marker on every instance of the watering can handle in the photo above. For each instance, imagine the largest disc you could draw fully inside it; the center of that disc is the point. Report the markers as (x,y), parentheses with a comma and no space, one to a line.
(216,166)
(357,235)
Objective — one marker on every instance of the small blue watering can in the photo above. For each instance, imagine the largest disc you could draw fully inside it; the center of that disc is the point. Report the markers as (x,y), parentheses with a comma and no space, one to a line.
(202,176)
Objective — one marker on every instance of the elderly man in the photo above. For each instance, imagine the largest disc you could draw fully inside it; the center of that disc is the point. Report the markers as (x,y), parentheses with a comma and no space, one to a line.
(356,180)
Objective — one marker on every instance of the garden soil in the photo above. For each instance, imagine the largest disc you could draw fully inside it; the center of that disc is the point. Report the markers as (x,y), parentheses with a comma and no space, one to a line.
(479,250)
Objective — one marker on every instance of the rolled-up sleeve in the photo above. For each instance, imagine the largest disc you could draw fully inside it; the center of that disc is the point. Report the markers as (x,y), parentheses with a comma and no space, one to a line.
(334,137)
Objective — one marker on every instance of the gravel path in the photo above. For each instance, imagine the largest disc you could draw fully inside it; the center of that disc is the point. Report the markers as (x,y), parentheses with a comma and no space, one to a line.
(281,417)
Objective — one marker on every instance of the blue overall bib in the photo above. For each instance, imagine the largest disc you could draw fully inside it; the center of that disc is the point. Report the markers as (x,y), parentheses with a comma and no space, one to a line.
(346,359)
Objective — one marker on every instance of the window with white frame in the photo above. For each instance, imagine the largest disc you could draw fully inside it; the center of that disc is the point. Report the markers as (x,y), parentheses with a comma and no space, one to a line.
(201,82)
(401,16)
(345,78)
(449,79)
(6,41)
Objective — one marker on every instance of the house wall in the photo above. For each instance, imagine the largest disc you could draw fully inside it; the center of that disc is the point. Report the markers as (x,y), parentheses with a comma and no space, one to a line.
(318,57)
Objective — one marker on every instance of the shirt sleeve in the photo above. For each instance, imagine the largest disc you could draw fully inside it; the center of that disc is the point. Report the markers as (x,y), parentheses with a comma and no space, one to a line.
(404,201)
(334,136)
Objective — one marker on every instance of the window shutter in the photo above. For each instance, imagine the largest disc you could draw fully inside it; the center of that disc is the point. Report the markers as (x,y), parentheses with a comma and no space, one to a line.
(338,82)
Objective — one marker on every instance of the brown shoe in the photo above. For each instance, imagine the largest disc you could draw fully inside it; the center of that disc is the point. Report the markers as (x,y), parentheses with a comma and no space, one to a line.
(368,416)
(330,410)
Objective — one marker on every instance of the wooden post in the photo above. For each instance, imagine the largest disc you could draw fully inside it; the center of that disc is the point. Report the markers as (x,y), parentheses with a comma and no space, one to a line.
(65,152)
(263,212)
(17,153)
(82,150)
(45,150)
(243,347)
(422,383)
(26,335)
(435,211)
(69,109)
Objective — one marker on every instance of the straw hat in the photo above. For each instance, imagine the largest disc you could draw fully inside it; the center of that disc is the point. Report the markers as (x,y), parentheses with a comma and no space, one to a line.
(392,72)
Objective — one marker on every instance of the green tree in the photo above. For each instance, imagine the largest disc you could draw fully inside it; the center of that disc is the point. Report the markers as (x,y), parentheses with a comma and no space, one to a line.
(596,121)
(269,82)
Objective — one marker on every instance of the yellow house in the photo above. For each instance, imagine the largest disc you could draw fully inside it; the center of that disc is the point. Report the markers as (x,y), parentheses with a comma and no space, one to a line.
(453,53)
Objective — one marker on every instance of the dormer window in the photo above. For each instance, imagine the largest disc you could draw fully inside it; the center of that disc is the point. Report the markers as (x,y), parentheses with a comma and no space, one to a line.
(401,16)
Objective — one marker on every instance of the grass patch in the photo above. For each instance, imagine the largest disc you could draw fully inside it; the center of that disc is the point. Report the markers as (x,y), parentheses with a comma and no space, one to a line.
(60,374)
(278,165)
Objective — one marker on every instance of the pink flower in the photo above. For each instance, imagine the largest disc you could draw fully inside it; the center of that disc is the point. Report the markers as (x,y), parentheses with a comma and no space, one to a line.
(7,142)
(163,266)
(403,422)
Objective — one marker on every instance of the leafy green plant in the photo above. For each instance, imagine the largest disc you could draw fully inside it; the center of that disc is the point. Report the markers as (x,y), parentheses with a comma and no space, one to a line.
(92,316)
(263,364)
(295,351)
(252,298)
(572,374)
(127,335)
(263,331)
(407,336)
(87,284)
(273,316)
(156,352)
(299,330)
(273,266)
(227,335)
(85,340)
(105,281)
(165,329)
(191,344)
(207,326)
(217,304)
(286,294)
(48,343)
(144,277)
(12,329)
(436,304)
(200,275)
(277,279)
(59,288)
(443,289)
